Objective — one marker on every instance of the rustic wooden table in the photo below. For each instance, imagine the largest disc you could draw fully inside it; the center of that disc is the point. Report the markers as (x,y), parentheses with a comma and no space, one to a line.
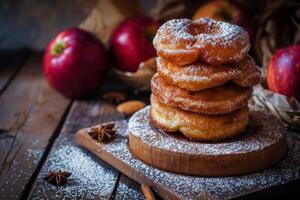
(37,127)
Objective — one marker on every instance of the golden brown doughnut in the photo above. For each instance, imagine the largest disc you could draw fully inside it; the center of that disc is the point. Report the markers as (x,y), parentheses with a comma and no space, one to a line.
(183,41)
(200,76)
(218,100)
(261,146)
(198,126)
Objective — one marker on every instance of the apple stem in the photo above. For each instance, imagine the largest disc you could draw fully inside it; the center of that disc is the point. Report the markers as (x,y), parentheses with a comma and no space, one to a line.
(58,48)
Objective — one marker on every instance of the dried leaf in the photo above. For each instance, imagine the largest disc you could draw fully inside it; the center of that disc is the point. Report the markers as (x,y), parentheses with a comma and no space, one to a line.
(278,28)
(285,108)
(140,79)
(106,15)
(115,97)
(168,9)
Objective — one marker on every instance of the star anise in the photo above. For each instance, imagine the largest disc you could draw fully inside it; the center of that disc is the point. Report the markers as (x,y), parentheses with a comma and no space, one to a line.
(103,133)
(114,97)
(57,178)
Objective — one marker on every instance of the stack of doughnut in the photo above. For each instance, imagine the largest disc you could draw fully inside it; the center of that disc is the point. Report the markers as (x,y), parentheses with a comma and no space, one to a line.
(204,79)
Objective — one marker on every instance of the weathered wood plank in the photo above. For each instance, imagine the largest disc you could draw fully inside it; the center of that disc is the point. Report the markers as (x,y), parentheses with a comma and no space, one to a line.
(32,23)
(30,111)
(128,189)
(10,62)
(91,177)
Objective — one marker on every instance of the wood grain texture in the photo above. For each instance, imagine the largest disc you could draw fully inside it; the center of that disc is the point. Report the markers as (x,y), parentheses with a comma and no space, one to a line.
(29,114)
(32,23)
(91,177)
(147,191)
(176,186)
(10,62)
(84,140)
(260,147)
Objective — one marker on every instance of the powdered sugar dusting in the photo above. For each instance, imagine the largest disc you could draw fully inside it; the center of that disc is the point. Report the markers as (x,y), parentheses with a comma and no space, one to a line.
(90,179)
(139,125)
(178,30)
(127,190)
(218,32)
(216,100)
(192,187)
(183,37)
(10,182)
(199,75)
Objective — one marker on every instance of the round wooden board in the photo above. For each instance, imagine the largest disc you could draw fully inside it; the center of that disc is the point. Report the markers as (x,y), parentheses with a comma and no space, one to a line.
(263,145)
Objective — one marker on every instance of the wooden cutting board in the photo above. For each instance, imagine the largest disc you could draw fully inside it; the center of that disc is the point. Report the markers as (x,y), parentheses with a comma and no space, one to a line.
(261,146)
(175,186)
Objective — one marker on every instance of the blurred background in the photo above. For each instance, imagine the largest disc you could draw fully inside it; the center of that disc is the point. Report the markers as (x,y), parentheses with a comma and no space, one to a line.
(30,25)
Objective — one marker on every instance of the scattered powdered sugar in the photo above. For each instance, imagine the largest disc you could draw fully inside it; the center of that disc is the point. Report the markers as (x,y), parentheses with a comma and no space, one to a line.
(219,33)
(19,170)
(193,187)
(199,72)
(91,178)
(127,190)
(33,154)
(140,126)
(199,76)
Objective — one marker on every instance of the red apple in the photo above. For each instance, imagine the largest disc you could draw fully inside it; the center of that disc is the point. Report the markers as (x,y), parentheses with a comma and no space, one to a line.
(75,63)
(224,10)
(284,72)
(131,42)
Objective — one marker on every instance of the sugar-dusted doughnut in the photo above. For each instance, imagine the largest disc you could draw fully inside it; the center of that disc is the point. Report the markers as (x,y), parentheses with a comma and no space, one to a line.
(261,146)
(218,100)
(198,76)
(183,41)
(198,126)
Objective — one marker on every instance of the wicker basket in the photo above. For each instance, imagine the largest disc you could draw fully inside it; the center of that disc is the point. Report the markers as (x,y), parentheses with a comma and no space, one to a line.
(285,108)
(279,28)
(139,80)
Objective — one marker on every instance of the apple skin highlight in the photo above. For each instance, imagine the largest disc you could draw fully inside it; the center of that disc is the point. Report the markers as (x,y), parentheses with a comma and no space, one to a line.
(75,63)
(131,43)
(284,72)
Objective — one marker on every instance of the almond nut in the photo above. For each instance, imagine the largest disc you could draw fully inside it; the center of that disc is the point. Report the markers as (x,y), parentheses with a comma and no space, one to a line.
(115,97)
(128,108)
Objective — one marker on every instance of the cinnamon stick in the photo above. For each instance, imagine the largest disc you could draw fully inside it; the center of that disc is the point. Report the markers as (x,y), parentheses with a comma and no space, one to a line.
(147,192)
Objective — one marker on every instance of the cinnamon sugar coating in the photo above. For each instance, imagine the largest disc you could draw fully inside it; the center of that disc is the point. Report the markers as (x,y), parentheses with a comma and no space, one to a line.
(218,100)
(196,126)
(200,76)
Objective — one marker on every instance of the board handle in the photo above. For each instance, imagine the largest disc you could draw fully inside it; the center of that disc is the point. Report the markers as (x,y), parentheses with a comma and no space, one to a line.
(147,192)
